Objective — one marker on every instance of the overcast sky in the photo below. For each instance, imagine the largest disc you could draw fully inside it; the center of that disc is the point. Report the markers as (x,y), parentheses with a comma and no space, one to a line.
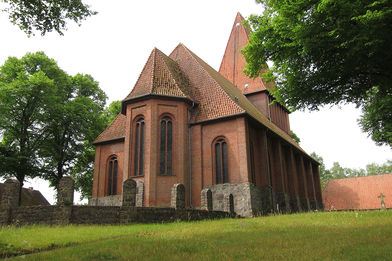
(114,45)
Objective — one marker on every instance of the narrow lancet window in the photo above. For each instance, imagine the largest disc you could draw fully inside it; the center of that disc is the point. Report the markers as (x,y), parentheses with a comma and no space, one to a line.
(166,147)
(112,177)
(221,162)
(139,147)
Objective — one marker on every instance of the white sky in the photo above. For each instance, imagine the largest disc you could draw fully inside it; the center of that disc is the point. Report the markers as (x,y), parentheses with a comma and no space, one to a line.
(114,45)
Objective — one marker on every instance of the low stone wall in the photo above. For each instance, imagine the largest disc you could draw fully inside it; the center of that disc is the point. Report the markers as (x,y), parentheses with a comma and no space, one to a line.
(115,200)
(60,215)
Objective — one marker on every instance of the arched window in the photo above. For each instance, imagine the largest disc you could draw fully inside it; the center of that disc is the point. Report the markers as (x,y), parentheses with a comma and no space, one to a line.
(221,163)
(112,177)
(139,147)
(166,147)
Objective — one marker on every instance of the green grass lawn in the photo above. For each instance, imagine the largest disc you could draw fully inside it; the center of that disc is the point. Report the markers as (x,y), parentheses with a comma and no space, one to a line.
(308,236)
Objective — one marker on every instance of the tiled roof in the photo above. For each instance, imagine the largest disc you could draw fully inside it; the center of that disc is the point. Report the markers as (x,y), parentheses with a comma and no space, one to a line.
(116,130)
(233,62)
(216,95)
(160,76)
(183,74)
(358,193)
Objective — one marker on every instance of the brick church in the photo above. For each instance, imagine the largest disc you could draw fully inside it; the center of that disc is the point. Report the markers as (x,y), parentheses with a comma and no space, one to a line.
(184,122)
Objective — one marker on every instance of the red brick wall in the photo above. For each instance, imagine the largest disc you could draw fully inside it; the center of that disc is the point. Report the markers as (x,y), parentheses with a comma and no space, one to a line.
(203,161)
(157,188)
(102,155)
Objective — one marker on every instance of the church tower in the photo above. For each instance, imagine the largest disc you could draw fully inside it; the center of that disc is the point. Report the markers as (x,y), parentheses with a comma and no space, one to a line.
(256,90)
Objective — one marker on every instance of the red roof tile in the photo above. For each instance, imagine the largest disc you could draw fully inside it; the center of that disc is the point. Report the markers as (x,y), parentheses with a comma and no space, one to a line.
(160,76)
(358,193)
(116,130)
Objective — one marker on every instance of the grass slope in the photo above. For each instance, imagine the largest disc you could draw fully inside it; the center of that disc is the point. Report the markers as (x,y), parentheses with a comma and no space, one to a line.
(307,236)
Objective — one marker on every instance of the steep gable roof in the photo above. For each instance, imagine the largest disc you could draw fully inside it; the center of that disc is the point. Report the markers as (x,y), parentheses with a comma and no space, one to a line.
(217,96)
(233,62)
(358,193)
(160,76)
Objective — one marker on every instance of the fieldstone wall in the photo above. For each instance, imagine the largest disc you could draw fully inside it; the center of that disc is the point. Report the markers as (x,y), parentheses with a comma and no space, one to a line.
(139,193)
(129,193)
(206,199)
(113,200)
(248,199)
(65,194)
(60,215)
(10,197)
(178,196)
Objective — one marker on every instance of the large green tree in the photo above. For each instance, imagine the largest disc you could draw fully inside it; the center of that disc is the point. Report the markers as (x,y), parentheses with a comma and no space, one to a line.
(327,52)
(75,121)
(48,119)
(27,88)
(46,15)
(83,169)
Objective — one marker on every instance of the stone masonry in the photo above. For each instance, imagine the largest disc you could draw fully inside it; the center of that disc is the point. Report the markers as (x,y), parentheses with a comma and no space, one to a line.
(178,196)
(206,199)
(10,198)
(65,194)
(129,193)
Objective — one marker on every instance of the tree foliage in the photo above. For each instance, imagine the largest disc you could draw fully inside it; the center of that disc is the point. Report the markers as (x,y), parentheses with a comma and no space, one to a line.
(327,52)
(48,119)
(339,172)
(83,170)
(27,86)
(46,15)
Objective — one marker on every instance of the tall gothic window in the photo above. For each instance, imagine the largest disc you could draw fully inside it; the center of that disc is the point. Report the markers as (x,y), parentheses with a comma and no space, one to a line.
(221,163)
(166,147)
(112,177)
(139,147)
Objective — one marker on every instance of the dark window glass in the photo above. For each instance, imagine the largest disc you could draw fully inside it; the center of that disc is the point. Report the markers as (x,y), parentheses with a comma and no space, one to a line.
(218,163)
(221,161)
(225,163)
(112,176)
(115,177)
(139,148)
(166,147)
(163,148)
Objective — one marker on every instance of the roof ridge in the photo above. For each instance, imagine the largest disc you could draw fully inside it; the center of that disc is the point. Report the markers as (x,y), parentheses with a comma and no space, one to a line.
(141,73)
(160,53)
(196,58)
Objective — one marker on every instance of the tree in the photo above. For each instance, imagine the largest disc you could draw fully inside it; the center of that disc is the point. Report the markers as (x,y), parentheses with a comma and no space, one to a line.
(48,119)
(74,122)
(376,117)
(326,52)
(27,87)
(339,172)
(112,111)
(83,170)
(46,15)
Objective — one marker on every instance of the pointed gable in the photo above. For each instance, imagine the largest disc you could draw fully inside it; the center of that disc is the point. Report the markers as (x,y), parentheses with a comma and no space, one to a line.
(218,97)
(233,62)
(160,76)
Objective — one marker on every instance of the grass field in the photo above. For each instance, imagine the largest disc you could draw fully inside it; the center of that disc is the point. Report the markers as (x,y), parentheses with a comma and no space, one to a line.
(307,236)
